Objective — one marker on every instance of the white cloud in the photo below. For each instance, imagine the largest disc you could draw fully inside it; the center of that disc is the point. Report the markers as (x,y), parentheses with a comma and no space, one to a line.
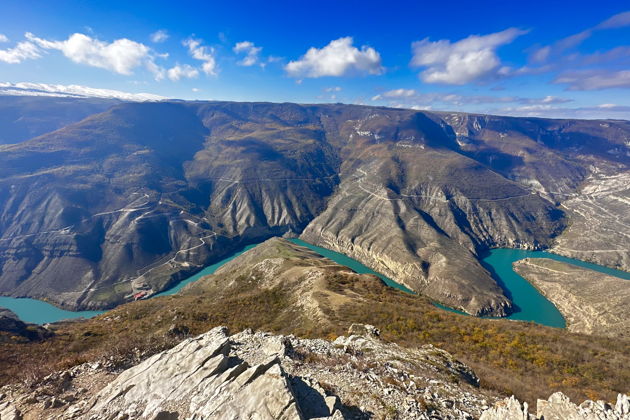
(410,98)
(159,72)
(338,58)
(396,93)
(184,71)
(468,60)
(619,20)
(159,36)
(3,38)
(252,52)
(544,53)
(22,51)
(594,79)
(203,53)
(602,111)
(121,56)
(333,89)
(73,91)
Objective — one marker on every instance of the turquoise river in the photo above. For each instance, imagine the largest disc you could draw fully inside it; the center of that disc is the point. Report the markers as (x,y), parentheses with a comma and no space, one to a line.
(530,304)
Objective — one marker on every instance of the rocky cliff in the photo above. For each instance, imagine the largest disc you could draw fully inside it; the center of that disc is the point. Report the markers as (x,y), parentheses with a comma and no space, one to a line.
(591,302)
(263,376)
(600,221)
(140,196)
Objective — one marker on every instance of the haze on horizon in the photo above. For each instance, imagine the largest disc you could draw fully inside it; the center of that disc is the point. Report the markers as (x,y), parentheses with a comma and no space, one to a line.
(535,59)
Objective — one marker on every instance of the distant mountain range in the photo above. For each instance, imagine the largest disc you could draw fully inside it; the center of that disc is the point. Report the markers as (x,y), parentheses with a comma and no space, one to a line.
(72,91)
(110,198)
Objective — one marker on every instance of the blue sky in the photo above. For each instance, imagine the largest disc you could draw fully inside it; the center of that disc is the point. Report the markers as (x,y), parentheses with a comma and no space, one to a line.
(542,58)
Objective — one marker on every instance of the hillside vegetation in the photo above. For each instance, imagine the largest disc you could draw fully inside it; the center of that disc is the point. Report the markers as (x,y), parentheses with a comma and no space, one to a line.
(281,287)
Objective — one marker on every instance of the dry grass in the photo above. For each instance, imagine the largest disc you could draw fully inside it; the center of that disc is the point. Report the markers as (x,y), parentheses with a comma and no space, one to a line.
(527,360)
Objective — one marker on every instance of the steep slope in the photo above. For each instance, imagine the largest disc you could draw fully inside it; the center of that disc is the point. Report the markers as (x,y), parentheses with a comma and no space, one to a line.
(415,209)
(281,287)
(592,302)
(140,196)
(600,221)
(83,205)
(130,200)
(25,117)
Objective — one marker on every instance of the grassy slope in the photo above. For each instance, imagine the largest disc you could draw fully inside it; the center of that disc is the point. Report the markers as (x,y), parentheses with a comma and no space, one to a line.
(513,357)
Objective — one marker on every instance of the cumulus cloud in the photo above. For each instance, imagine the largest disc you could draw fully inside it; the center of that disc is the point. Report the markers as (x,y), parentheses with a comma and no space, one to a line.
(333,89)
(22,51)
(159,36)
(250,50)
(182,72)
(338,58)
(4,38)
(594,79)
(73,91)
(203,53)
(121,56)
(468,60)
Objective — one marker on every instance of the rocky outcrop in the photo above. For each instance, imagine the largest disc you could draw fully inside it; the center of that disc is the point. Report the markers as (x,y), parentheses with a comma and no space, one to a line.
(507,409)
(559,407)
(8,410)
(198,379)
(11,327)
(266,376)
(591,302)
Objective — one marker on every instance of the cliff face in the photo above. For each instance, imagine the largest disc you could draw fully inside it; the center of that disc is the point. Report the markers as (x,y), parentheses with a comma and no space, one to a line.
(591,302)
(600,221)
(143,195)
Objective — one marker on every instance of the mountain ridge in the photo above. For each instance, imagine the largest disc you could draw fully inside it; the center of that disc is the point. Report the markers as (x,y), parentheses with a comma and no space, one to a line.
(168,187)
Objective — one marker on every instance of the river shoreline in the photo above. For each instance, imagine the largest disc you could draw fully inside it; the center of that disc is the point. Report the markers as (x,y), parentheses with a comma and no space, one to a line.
(498,261)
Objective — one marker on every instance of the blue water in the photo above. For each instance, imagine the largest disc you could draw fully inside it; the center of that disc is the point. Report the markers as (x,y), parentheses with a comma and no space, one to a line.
(530,304)
(39,312)
(354,265)
(205,272)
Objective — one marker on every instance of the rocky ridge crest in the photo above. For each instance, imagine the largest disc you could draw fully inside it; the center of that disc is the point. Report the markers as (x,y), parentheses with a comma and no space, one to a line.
(560,407)
(266,376)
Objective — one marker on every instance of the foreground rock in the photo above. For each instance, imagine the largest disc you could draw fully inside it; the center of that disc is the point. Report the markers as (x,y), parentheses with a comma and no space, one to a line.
(559,407)
(265,376)
(591,302)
